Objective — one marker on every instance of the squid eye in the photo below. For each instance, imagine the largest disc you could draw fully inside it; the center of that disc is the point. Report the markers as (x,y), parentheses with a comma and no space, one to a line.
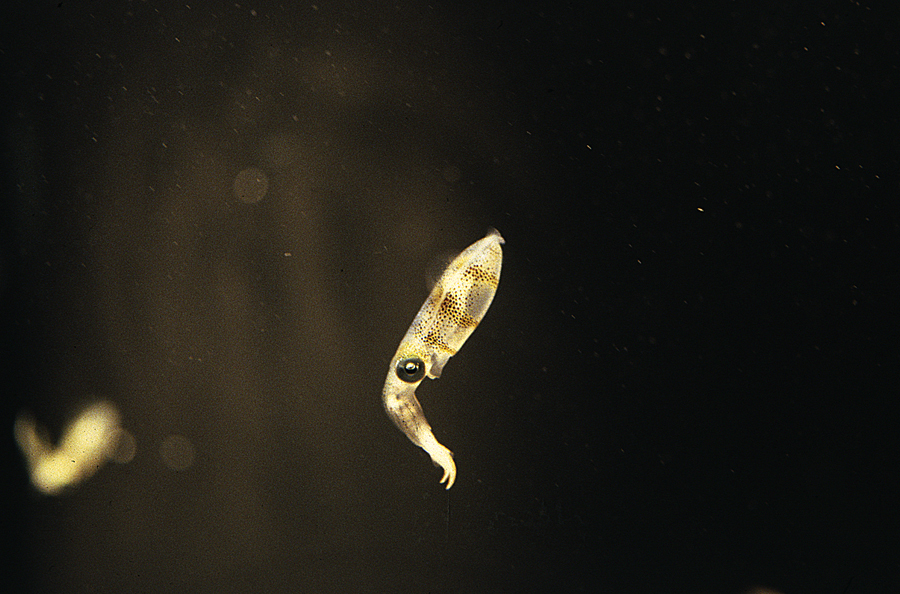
(410,370)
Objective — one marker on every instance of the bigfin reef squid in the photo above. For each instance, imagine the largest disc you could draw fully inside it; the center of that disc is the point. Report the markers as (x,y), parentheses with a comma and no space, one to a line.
(453,310)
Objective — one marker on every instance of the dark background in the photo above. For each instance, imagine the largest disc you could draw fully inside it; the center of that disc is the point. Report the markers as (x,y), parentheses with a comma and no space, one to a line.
(686,383)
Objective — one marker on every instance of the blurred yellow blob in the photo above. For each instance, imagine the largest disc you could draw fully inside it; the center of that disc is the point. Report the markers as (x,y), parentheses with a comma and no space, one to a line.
(86,444)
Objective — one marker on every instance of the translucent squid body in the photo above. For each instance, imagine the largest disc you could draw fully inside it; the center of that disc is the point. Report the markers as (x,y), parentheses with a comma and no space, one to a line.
(451,313)
(86,444)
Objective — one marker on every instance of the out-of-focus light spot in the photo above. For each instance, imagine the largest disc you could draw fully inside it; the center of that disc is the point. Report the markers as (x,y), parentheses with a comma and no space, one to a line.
(251,185)
(177,452)
(86,444)
(126,447)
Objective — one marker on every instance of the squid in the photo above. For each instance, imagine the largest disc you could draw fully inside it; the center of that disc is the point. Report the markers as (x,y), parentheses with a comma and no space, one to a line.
(87,442)
(453,310)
